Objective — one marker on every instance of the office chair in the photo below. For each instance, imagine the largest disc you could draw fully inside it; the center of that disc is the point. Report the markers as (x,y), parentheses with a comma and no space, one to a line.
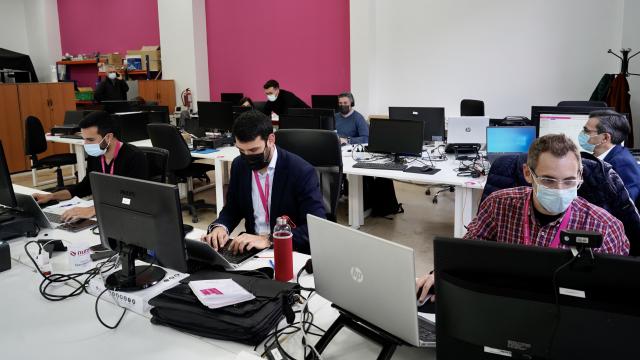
(181,168)
(583,103)
(320,148)
(471,107)
(35,143)
(157,163)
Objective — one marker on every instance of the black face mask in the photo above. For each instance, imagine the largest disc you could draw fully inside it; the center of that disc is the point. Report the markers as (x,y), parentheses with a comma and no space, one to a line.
(256,161)
(344,109)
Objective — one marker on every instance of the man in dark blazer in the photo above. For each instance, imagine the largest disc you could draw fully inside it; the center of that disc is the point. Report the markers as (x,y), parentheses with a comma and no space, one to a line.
(266,182)
(603,135)
(279,100)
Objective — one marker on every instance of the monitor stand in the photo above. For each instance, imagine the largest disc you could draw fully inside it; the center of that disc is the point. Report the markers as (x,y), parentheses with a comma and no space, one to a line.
(131,277)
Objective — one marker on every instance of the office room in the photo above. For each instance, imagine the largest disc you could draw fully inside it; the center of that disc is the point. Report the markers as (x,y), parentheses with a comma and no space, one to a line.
(335,179)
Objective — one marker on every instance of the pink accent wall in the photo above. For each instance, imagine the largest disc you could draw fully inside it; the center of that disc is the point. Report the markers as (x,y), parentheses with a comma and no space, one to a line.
(304,44)
(87,26)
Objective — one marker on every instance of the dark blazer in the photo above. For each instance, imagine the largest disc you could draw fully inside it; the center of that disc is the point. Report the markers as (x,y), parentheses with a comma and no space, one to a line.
(295,193)
(286,100)
(626,166)
(111,90)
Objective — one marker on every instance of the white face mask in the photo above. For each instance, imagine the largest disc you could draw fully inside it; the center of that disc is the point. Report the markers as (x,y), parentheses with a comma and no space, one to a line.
(112,75)
(95,150)
(272,97)
(555,201)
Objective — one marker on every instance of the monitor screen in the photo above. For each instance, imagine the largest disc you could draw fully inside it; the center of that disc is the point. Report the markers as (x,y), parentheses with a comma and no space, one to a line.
(392,136)
(569,124)
(327,116)
(433,118)
(132,126)
(288,121)
(7,196)
(324,102)
(233,98)
(510,139)
(215,115)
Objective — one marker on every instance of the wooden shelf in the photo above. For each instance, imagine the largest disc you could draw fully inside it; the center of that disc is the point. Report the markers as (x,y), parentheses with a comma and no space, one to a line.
(76,62)
(84,102)
(130,72)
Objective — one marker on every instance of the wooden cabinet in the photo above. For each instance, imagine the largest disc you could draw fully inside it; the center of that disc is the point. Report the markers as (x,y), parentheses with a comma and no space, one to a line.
(162,91)
(46,101)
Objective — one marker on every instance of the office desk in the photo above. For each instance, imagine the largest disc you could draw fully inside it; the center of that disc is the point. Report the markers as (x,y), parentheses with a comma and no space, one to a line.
(76,148)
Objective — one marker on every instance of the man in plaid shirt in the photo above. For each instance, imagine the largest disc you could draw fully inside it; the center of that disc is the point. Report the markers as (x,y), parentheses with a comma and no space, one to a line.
(535,216)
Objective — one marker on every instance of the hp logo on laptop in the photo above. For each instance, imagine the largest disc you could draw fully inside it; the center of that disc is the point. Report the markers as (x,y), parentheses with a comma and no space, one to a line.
(467,129)
(356,274)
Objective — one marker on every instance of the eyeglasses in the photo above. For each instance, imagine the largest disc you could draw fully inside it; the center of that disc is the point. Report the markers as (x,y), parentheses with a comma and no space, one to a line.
(588,131)
(555,183)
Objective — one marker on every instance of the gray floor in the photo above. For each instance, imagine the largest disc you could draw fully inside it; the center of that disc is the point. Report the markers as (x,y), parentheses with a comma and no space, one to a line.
(416,227)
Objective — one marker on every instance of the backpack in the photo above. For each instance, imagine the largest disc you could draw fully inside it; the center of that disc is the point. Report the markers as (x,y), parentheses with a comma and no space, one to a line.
(380,196)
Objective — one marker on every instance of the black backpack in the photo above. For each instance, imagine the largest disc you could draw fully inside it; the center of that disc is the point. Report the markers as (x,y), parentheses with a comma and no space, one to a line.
(380,196)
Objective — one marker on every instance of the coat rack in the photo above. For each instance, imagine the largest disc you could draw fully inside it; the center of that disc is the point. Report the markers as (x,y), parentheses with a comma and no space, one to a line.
(624,67)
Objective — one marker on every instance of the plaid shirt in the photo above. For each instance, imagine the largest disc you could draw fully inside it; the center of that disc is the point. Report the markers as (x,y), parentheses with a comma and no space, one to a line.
(501,214)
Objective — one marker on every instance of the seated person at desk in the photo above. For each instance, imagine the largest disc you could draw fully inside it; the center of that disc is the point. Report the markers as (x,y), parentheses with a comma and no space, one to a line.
(107,154)
(266,182)
(111,88)
(280,100)
(350,124)
(535,216)
(603,135)
(246,102)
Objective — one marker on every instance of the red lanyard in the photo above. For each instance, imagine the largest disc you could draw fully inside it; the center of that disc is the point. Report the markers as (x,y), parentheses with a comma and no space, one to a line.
(264,194)
(113,162)
(556,239)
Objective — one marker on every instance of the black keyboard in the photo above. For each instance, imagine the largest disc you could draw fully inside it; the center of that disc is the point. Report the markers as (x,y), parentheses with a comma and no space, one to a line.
(462,148)
(426,330)
(54,218)
(70,136)
(237,258)
(380,166)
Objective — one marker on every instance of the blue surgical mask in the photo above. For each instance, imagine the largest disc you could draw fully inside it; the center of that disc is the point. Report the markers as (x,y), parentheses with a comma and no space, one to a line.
(112,75)
(555,201)
(95,150)
(583,139)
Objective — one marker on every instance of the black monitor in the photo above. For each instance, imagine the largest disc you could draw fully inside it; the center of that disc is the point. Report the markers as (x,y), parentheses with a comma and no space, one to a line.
(288,121)
(132,126)
(568,120)
(433,118)
(73,117)
(7,196)
(215,115)
(325,102)
(118,106)
(391,136)
(237,110)
(497,300)
(327,116)
(233,98)
(138,217)
(157,113)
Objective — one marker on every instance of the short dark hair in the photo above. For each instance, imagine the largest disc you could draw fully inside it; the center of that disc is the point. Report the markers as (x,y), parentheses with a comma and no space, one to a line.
(246,99)
(558,145)
(612,123)
(100,119)
(349,96)
(271,83)
(251,124)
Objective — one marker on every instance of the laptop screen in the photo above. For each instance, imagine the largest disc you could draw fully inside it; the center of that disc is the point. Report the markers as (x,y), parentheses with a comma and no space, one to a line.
(568,124)
(510,139)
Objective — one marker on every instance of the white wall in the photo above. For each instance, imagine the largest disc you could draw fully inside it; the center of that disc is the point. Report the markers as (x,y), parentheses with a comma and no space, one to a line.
(511,54)
(631,39)
(13,28)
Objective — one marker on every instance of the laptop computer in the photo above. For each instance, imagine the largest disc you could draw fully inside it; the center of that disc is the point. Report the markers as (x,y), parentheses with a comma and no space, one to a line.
(508,140)
(377,285)
(203,252)
(50,220)
(465,132)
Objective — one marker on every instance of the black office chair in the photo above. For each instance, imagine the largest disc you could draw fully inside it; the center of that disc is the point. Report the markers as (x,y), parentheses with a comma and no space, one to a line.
(583,103)
(182,168)
(321,148)
(470,107)
(157,163)
(35,143)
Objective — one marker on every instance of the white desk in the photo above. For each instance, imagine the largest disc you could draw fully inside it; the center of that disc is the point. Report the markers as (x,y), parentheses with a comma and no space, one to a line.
(77,148)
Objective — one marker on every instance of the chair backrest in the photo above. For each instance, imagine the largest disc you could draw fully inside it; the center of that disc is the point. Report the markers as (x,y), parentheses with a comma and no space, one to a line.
(168,137)
(583,103)
(321,149)
(35,141)
(470,107)
(157,163)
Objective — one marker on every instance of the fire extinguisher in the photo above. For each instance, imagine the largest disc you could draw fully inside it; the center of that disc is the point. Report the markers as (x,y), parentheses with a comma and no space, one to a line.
(187,100)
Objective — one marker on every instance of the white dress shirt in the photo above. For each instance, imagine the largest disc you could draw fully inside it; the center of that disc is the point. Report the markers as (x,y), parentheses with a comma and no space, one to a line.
(262,227)
(604,154)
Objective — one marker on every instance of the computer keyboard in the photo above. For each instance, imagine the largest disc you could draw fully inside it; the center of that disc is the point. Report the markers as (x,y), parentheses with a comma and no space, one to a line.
(380,166)
(54,218)
(237,258)
(426,330)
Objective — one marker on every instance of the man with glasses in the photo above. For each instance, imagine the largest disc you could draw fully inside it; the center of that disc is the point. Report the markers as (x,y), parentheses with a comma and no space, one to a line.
(536,215)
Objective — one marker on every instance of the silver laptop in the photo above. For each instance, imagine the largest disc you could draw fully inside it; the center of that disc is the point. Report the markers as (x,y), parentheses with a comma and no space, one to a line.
(467,130)
(50,220)
(370,277)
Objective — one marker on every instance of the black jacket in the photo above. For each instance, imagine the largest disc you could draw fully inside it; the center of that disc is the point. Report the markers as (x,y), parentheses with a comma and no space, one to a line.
(111,90)
(286,100)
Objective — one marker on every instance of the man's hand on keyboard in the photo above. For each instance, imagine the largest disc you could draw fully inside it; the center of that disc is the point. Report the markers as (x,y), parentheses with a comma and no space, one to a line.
(78,213)
(216,238)
(247,242)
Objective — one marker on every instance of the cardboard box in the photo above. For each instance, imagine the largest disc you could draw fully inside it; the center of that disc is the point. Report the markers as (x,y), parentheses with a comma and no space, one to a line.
(114,58)
(153,52)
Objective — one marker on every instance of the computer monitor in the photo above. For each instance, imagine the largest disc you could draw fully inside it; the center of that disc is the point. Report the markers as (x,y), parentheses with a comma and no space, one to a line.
(237,110)
(137,217)
(288,121)
(325,102)
(566,120)
(7,196)
(507,140)
(73,117)
(132,126)
(233,98)
(327,116)
(118,106)
(215,115)
(397,137)
(497,300)
(433,118)
(157,113)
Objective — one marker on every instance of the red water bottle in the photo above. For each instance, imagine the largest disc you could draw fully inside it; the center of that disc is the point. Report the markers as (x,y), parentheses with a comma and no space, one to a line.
(283,249)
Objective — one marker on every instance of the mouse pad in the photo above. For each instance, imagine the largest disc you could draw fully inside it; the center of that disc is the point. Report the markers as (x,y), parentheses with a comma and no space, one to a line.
(418,170)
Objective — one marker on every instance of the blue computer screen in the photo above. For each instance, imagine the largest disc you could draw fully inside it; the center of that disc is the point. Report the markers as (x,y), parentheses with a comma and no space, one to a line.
(508,139)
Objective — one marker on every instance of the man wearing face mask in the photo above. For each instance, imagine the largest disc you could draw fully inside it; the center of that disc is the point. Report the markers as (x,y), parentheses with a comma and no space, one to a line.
(266,182)
(536,215)
(107,154)
(350,124)
(279,101)
(603,135)
(111,88)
